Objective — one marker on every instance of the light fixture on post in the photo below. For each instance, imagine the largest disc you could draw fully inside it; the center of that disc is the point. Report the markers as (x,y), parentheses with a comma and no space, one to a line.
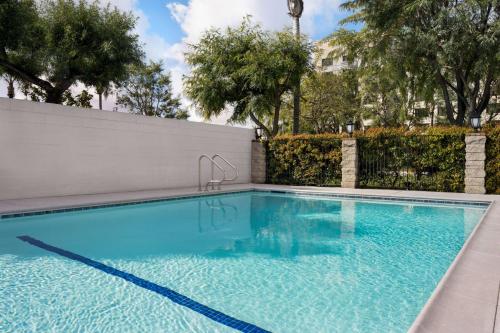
(259,132)
(475,122)
(295,8)
(350,128)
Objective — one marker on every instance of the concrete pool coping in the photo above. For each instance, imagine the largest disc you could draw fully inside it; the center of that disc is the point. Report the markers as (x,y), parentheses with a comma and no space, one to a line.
(465,300)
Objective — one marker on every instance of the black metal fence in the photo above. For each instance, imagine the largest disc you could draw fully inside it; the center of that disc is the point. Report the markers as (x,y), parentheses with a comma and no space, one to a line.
(416,162)
(390,160)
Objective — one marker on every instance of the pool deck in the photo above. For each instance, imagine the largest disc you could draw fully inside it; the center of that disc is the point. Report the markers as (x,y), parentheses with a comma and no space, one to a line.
(466,299)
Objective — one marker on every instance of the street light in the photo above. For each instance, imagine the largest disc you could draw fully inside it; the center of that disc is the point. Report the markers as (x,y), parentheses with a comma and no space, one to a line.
(350,128)
(295,7)
(475,122)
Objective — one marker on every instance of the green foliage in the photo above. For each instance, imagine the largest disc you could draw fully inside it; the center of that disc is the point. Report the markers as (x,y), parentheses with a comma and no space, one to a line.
(386,93)
(451,48)
(330,101)
(305,160)
(247,69)
(21,36)
(387,89)
(53,44)
(431,159)
(423,159)
(493,160)
(82,100)
(148,91)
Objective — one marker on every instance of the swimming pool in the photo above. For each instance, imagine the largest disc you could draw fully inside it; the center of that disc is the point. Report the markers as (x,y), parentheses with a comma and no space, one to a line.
(250,261)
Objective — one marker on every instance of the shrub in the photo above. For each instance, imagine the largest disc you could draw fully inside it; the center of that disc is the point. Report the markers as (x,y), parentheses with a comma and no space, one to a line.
(305,160)
(492,159)
(431,159)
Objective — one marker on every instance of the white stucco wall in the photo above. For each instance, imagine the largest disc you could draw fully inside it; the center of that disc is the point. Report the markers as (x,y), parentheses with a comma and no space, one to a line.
(52,150)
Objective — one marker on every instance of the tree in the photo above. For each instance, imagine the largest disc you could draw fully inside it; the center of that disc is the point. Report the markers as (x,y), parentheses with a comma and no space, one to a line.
(54,44)
(457,42)
(389,85)
(246,70)
(82,100)
(103,89)
(148,91)
(384,101)
(9,79)
(330,101)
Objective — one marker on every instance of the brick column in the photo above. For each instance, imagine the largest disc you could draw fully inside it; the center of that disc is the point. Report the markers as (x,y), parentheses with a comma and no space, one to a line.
(475,156)
(350,163)
(258,173)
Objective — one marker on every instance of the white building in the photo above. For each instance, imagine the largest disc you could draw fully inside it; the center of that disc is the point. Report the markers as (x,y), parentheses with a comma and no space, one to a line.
(325,61)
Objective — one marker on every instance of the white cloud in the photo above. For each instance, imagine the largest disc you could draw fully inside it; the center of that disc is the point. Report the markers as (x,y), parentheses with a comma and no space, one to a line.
(199,15)
(178,10)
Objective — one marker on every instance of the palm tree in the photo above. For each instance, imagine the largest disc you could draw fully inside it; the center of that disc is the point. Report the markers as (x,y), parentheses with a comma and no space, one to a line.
(103,89)
(10,85)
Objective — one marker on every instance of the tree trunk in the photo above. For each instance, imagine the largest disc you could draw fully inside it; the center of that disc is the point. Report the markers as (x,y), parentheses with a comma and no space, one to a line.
(261,125)
(296,109)
(54,96)
(447,102)
(100,100)
(461,104)
(485,98)
(10,89)
(432,108)
(276,118)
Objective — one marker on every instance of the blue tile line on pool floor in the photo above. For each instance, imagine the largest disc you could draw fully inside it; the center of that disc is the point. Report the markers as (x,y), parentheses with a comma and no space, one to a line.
(164,291)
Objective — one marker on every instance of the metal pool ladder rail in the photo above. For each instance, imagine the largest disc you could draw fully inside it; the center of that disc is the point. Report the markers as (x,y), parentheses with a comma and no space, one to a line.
(213,164)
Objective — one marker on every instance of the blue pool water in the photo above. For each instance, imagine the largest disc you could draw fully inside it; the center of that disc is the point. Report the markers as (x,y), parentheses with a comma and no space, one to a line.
(273,262)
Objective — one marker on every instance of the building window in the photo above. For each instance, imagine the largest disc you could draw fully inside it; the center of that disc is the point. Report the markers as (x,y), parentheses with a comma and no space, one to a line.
(326,62)
(421,113)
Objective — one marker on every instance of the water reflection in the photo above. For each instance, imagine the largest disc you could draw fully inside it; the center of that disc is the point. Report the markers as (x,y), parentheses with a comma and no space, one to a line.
(288,227)
(278,226)
(272,225)
(219,215)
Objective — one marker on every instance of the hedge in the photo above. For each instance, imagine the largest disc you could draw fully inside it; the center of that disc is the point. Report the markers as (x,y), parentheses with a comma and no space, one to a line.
(305,160)
(492,159)
(431,159)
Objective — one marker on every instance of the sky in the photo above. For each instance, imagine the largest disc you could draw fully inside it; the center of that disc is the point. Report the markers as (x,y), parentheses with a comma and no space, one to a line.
(165,27)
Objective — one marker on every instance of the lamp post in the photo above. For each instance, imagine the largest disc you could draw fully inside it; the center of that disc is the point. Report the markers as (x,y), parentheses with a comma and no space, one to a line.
(475,122)
(295,9)
(350,128)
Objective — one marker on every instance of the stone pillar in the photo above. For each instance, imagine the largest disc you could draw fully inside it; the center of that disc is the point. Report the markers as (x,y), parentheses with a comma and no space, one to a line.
(258,173)
(350,163)
(475,156)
